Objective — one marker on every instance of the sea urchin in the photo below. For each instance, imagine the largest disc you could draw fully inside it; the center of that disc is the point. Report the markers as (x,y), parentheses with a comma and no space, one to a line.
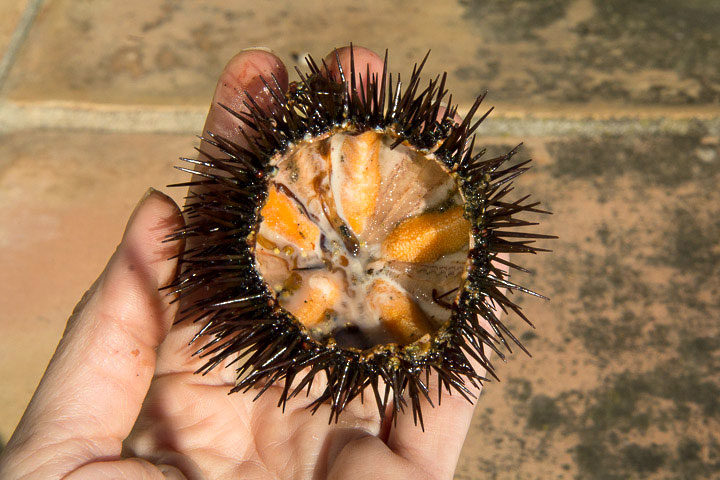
(356,235)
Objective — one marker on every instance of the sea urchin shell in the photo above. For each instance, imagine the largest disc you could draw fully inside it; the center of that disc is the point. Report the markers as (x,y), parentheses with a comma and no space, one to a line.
(356,235)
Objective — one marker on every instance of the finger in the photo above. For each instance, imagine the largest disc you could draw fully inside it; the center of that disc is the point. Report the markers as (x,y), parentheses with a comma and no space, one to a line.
(93,388)
(245,76)
(368,457)
(132,468)
(446,424)
(242,77)
(365,62)
(437,449)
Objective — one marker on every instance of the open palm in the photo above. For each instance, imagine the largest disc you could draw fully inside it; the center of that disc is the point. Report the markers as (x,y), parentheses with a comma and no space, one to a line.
(120,400)
(191,421)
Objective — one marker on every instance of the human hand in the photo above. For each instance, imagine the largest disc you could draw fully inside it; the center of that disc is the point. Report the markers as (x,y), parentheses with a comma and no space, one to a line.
(120,400)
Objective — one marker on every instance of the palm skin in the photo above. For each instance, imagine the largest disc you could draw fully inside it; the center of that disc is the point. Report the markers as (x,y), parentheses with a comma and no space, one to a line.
(119,398)
(192,420)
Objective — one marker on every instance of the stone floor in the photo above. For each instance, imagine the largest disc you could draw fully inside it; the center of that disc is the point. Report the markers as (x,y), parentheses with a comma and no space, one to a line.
(618,104)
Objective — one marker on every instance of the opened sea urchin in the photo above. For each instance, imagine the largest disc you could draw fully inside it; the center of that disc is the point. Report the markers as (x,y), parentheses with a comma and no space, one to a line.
(354,239)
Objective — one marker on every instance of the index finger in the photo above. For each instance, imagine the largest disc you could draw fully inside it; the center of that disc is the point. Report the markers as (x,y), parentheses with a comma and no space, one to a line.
(246,76)
(437,449)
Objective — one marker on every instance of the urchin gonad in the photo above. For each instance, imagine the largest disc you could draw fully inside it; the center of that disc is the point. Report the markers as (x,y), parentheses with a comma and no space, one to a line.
(356,235)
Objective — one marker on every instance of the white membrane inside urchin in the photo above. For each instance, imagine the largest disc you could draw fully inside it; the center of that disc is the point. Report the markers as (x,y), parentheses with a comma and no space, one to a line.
(355,236)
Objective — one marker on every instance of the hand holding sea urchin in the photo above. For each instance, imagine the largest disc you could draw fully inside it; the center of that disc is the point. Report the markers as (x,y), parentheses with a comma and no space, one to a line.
(355,240)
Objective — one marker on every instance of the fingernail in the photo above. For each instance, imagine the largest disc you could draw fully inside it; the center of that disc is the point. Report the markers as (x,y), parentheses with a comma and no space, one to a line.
(145,196)
(264,49)
(148,193)
(171,472)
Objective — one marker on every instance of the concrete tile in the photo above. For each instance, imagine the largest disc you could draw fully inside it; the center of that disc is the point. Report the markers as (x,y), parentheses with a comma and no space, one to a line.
(10,12)
(623,381)
(524,52)
(66,198)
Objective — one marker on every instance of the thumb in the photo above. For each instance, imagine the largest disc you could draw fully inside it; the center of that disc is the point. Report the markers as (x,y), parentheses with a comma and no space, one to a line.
(93,388)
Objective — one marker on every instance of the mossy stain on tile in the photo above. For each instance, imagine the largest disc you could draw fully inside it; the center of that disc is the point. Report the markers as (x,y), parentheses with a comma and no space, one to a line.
(544,413)
(653,160)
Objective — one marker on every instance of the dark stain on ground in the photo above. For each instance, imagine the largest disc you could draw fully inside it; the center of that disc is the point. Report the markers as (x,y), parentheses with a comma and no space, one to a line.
(519,389)
(689,456)
(673,393)
(643,459)
(627,406)
(662,160)
(604,338)
(693,238)
(643,51)
(615,309)
(608,274)
(527,337)
(656,34)
(600,463)
(611,299)
(544,413)
(512,20)
(486,72)
(700,349)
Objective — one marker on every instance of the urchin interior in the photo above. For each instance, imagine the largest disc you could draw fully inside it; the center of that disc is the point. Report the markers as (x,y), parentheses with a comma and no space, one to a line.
(361,241)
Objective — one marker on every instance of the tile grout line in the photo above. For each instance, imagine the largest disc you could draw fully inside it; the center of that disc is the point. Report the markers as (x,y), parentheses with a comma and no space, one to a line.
(144,119)
(18,38)
(103,118)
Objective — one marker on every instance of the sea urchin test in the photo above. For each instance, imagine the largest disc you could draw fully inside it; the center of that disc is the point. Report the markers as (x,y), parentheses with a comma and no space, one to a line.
(358,236)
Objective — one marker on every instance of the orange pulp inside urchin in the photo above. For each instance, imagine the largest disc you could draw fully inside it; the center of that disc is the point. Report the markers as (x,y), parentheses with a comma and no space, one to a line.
(357,239)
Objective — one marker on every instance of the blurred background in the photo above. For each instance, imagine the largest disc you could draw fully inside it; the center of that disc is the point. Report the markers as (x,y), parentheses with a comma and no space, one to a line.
(618,103)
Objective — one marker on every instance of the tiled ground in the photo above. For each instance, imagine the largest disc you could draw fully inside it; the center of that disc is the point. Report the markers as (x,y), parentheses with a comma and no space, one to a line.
(66,199)
(167,52)
(624,380)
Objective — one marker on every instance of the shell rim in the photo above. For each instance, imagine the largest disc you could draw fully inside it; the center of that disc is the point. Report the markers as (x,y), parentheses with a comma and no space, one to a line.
(416,349)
